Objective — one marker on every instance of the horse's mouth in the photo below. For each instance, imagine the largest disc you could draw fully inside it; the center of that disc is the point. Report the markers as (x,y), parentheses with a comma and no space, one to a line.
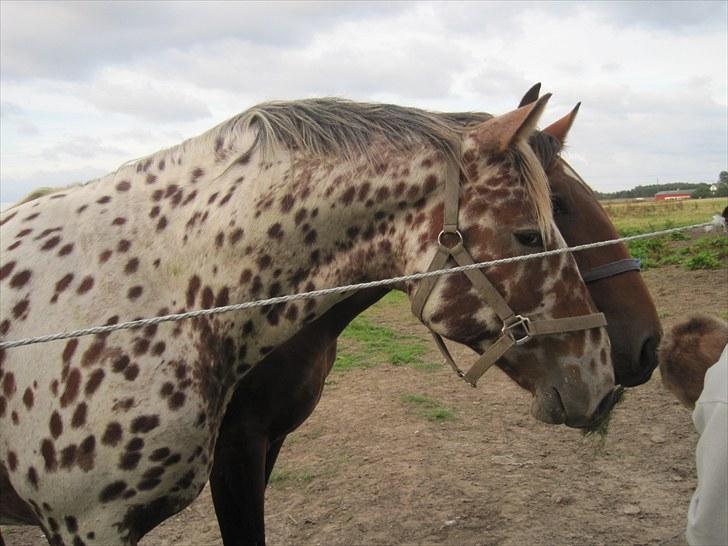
(600,420)
(597,422)
(564,414)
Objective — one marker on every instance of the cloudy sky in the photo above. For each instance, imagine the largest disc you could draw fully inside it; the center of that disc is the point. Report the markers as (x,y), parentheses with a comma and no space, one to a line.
(87,86)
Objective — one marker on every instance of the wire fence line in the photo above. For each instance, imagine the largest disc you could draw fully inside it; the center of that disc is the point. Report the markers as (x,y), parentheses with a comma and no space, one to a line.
(134,324)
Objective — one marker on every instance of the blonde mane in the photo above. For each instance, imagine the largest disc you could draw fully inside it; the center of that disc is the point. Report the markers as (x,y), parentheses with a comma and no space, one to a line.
(345,128)
(42,192)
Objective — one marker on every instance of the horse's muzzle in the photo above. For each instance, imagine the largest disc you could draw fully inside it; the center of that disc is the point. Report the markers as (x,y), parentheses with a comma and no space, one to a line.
(601,415)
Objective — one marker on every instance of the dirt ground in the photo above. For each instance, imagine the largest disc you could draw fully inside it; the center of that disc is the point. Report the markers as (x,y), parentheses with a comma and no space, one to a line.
(367,468)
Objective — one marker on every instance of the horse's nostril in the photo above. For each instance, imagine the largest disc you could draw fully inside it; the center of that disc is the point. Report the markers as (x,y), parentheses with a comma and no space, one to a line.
(640,367)
(648,355)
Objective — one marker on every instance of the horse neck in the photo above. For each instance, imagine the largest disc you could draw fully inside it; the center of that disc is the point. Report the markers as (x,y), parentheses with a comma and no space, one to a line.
(285,224)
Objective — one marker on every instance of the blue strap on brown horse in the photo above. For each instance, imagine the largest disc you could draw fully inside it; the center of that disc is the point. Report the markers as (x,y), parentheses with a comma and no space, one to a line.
(611,269)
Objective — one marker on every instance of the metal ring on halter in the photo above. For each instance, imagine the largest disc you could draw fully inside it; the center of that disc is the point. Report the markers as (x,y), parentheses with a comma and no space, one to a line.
(512,322)
(456,232)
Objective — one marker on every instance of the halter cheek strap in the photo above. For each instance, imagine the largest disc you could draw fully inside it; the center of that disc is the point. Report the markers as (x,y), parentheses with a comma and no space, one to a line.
(517,329)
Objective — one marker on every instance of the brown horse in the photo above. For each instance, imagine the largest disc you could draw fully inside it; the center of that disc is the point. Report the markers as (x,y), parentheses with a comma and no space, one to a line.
(279,395)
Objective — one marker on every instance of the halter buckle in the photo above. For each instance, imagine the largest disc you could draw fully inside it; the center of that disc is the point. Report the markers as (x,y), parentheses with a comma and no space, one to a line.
(449,232)
(517,321)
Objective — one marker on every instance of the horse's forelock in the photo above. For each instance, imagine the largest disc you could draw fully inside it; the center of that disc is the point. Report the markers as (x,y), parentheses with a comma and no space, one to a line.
(537,185)
(545,146)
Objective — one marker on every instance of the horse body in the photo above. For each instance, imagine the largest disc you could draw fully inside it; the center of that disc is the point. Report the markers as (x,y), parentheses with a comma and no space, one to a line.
(105,437)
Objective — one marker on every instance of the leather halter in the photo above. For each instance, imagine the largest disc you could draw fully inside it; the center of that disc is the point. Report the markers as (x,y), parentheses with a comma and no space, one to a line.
(611,269)
(517,329)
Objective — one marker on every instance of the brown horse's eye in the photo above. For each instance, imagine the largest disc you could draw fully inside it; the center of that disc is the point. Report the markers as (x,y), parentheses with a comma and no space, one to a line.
(530,238)
(558,206)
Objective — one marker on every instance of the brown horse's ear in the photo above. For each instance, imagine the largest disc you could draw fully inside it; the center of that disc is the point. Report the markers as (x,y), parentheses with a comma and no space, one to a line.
(499,133)
(559,129)
(531,95)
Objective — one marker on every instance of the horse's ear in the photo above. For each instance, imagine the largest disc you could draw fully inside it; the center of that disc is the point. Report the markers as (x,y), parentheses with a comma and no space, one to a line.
(559,129)
(499,133)
(531,95)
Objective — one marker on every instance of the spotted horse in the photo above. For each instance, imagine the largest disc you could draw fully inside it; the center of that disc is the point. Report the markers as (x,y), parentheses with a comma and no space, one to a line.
(102,438)
(278,395)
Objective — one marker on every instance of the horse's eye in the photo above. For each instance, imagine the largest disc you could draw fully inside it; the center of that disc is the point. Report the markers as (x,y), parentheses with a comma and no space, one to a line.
(558,206)
(530,238)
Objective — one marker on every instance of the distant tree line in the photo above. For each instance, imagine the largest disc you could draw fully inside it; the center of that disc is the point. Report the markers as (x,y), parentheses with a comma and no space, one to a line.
(698,191)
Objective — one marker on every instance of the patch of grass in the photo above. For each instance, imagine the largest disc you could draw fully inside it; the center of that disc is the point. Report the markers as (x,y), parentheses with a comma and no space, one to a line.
(279,476)
(651,252)
(428,408)
(631,217)
(718,245)
(282,476)
(702,260)
(306,476)
(706,252)
(635,217)
(372,335)
(349,360)
(724,315)
(367,344)
(407,354)
(425,366)
(395,297)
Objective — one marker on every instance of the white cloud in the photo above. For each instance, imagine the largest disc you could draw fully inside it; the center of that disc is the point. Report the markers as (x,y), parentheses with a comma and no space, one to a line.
(662,15)
(70,40)
(15,187)
(148,99)
(136,77)
(83,147)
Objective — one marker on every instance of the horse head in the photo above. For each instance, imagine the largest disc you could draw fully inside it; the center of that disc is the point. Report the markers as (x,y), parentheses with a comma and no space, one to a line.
(494,205)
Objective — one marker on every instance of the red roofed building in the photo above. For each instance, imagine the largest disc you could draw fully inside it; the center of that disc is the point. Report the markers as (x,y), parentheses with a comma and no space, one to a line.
(672,194)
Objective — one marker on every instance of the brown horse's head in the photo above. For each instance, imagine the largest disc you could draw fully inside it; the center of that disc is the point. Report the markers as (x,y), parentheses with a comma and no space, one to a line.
(633,326)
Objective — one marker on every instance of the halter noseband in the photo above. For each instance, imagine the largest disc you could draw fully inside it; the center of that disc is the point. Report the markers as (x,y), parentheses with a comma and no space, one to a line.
(517,329)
